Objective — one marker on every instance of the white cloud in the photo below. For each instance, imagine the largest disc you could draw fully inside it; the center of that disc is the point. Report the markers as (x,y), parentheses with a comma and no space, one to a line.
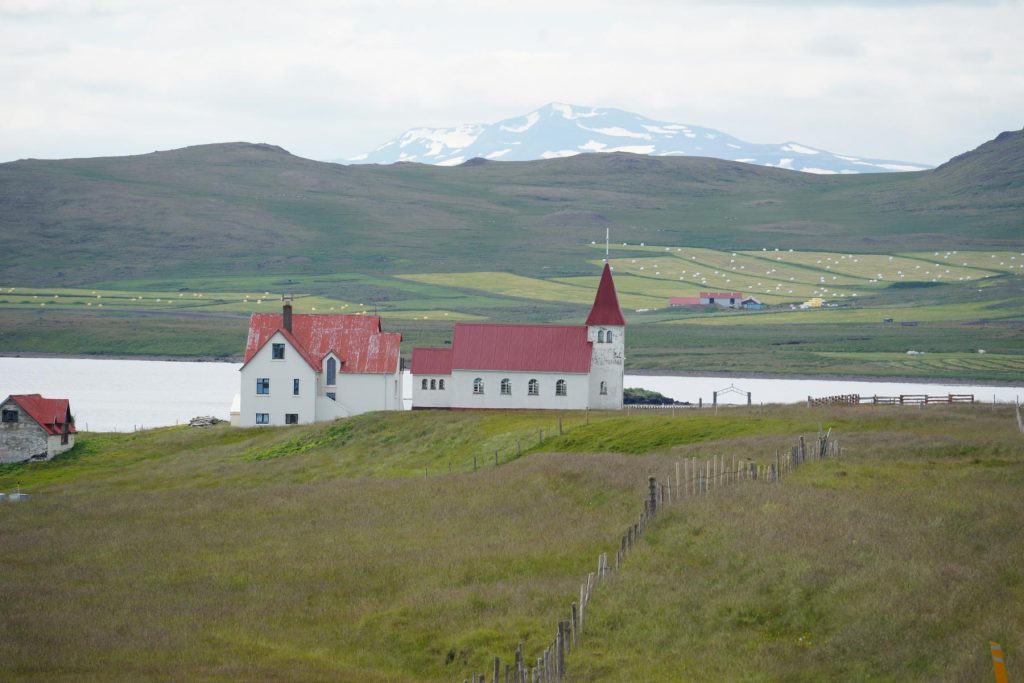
(919,81)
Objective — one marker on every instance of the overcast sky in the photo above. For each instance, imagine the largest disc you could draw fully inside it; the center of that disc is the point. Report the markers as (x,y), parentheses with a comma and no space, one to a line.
(916,80)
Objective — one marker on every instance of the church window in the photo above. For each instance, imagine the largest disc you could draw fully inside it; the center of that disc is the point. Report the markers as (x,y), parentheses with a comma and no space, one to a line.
(440,384)
(433,384)
(478,386)
(506,387)
(604,388)
(423,384)
(332,372)
(560,389)
(600,336)
(608,337)
(533,388)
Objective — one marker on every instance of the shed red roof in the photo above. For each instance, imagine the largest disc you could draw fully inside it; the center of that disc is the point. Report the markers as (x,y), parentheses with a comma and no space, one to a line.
(428,361)
(721,295)
(684,301)
(356,340)
(606,309)
(526,348)
(51,413)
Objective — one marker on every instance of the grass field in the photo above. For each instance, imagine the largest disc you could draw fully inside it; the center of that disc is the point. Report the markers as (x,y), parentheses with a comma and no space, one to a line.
(198,315)
(322,553)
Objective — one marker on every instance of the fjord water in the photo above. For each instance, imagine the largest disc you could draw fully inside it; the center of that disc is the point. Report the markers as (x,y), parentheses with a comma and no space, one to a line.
(122,395)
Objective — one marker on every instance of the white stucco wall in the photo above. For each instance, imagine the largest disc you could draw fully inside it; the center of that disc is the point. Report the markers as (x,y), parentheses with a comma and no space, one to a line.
(55,447)
(431,398)
(280,400)
(362,393)
(577,390)
(607,364)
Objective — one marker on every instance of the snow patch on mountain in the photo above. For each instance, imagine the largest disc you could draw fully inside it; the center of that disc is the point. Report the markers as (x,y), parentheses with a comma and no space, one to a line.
(560,130)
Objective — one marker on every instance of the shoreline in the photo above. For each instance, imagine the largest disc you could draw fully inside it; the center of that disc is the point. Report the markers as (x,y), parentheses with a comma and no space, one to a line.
(647,372)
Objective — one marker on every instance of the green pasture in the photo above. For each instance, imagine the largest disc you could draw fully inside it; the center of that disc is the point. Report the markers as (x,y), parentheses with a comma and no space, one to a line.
(997,261)
(978,310)
(322,552)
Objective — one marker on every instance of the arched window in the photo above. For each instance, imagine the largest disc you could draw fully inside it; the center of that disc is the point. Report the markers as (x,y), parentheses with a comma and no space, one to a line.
(478,386)
(533,388)
(440,384)
(423,384)
(506,387)
(600,336)
(604,388)
(332,372)
(433,384)
(560,388)
(608,336)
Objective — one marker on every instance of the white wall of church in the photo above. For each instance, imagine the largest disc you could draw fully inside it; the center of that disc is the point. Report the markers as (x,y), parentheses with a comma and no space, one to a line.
(576,395)
(281,399)
(432,398)
(607,364)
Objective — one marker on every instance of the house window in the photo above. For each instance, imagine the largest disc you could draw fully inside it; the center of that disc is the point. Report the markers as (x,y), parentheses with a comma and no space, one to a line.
(10,416)
(533,388)
(506,387)
(291,418)
(277,351)
(478,386)
(560,388)
(295,387)
(433,384)
(604,388)
(332,372)
(262,418)
(440,384)
(424,383)
(608,336)
(64,439)
(263,385)
(600,336)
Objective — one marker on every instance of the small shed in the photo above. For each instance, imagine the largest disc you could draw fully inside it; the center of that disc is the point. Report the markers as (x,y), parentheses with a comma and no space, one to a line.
(35,428)
(751,304)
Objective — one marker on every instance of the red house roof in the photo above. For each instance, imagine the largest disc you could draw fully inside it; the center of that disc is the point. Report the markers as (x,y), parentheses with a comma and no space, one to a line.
(52,414)
(721,295)
(684,301)
(356,340)
(526,348)
(427,361)
(606,304)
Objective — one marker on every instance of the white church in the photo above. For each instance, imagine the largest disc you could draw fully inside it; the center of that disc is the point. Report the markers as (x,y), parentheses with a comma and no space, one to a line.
(568,367)
(302,368)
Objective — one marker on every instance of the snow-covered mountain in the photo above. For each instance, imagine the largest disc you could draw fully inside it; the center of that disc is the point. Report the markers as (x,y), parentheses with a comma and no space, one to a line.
(560,130)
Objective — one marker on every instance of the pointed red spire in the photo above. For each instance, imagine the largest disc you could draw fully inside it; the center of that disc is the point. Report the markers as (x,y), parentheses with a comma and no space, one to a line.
(606,303)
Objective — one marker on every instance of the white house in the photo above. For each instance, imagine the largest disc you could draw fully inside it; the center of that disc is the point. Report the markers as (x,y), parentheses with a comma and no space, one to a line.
(528,366)
(34,428)
(302,368)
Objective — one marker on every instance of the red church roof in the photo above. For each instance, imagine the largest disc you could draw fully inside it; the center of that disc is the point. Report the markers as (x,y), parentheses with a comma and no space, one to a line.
(356,340)
(51,413)
(427,361)
(526,348)
(606,304)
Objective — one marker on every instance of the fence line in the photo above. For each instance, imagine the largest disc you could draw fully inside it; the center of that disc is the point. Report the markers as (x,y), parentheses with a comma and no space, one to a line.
(901,400)
(692,479)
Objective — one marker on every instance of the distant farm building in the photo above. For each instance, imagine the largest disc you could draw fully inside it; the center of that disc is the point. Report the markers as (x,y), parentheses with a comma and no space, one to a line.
(815,302)
(303,368)
(751,304)
(684,301)
(567,367)
(723,299)
(35,428)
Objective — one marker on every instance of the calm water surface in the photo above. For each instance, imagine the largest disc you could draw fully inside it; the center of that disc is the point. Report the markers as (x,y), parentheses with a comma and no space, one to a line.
(122,395)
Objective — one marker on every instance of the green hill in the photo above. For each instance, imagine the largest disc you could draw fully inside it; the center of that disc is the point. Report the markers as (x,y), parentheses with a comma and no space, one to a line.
(323,553)
(255,209)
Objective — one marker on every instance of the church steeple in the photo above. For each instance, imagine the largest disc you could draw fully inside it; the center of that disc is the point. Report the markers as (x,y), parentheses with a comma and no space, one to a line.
(606,304)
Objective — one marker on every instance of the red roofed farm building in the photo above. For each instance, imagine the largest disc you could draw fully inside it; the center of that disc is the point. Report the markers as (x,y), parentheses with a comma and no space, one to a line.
(302,368)
(34,428)
(528,366)
(723,299)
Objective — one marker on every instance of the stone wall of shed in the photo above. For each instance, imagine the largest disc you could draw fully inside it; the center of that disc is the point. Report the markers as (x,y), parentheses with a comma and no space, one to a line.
(21,440)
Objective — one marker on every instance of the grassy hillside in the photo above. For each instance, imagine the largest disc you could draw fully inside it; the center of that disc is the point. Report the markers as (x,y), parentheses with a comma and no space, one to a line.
(322,552)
